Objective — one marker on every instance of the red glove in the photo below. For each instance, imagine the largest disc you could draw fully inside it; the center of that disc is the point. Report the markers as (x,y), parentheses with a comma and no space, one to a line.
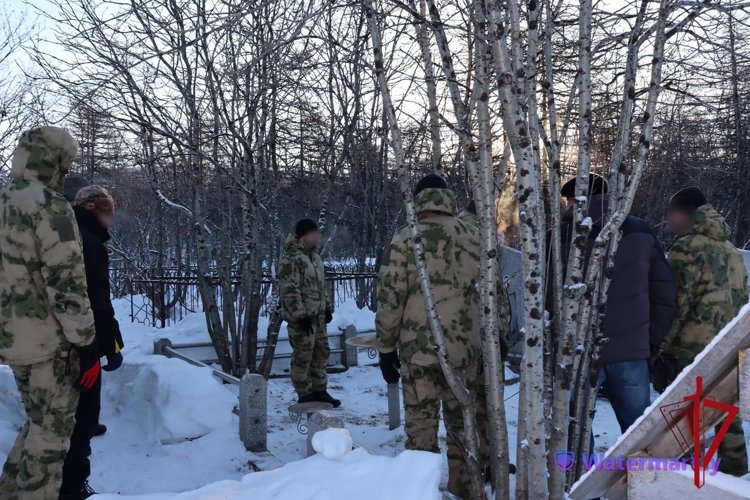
(89,377)
(91,368)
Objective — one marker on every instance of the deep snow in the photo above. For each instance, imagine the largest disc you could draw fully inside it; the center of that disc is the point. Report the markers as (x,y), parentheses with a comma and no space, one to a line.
(171,428)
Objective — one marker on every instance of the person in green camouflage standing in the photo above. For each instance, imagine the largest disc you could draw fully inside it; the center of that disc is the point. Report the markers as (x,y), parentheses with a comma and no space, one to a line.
(452,258)
(712,287)
(307,308)
(46,323)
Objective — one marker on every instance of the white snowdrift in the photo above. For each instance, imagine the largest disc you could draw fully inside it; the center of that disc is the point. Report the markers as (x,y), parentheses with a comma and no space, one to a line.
(352,475)
(170,400)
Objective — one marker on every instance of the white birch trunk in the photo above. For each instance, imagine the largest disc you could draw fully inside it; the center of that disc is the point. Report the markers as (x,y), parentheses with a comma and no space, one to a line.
(464,396)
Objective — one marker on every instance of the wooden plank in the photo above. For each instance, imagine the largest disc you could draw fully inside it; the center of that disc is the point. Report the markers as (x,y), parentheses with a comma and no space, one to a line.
(651,484)
(650,433)
(744,385)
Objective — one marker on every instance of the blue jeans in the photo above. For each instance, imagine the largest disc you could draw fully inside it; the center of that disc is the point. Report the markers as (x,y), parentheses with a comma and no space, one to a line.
(628,389)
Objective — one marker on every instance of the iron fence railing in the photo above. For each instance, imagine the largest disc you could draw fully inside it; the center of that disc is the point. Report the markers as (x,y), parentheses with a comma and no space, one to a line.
(162,300)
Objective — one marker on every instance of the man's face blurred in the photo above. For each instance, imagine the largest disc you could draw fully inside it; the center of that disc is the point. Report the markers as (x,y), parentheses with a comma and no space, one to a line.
(568,202)
(105,218)
(678,220)
(311,239)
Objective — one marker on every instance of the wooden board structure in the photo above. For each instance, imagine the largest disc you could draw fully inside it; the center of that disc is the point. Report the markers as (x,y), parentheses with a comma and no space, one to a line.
(651,435)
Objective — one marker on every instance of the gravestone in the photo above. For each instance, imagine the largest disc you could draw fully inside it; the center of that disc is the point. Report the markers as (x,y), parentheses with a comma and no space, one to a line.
(350,351)
(319,421)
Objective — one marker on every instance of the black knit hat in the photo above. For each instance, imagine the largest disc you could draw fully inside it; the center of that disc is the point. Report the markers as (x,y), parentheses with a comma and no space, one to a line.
(430,181)
(305,226)
(73,184)
(689,199)
(597,185)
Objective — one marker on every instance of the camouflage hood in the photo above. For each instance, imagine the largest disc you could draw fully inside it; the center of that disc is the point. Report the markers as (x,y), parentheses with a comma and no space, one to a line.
(293,246)
(44,155)
(709,223)
(442,201)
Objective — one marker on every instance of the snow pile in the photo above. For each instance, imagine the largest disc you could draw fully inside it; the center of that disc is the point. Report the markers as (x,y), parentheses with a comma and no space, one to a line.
(354,475)
(169,399)
(12,414)
(349,314)
(332,443)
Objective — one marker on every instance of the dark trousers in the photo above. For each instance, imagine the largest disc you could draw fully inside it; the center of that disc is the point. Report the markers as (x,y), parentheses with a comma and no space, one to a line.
(77,467)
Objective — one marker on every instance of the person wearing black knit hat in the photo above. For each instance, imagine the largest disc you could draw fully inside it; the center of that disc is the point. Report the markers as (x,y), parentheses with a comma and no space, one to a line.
(711,289)
(641,301)
(597,186)
(430,181)
(307,307)
(682,207)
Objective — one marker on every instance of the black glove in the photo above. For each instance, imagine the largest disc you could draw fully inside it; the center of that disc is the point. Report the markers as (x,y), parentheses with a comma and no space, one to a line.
(329,316)
(91,369)
(389,367)
(114,361)
(306,325)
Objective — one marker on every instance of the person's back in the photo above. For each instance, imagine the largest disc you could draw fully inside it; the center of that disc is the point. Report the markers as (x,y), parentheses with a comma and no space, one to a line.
(451,252)
(641,301)
(45,313)
(711,289)
(718,288)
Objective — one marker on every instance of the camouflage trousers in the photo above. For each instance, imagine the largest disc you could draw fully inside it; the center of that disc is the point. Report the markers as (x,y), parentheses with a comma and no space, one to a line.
(425,391)
(33,469)
(309,358)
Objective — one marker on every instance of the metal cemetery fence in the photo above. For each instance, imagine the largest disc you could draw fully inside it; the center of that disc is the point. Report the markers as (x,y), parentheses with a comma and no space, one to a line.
(160,300)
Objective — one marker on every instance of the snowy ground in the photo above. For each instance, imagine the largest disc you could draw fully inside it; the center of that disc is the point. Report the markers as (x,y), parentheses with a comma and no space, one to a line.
(171,427)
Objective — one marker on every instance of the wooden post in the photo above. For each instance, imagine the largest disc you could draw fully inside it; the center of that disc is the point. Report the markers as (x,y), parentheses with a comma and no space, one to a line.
(744,383)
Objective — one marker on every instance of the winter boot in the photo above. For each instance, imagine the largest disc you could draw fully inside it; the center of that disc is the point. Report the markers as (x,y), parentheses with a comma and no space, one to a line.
(308,398)
(85,492)
(99,430)
(324,397)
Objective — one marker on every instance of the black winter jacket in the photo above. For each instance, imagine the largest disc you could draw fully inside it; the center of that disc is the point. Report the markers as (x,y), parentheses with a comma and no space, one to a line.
(642,298)
(96,258)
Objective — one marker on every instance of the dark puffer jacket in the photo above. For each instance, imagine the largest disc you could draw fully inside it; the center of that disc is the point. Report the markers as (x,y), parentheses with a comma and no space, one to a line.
(642,299)
(96,259)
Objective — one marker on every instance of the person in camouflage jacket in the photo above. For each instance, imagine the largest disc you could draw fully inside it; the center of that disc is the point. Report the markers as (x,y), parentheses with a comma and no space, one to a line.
(307,308)
(452,257)
(44,311)
(712,287)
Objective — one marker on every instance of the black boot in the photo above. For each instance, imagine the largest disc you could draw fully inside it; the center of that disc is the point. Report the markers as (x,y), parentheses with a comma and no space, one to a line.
(85,492)
(99,430)
(324,397)
(308,398)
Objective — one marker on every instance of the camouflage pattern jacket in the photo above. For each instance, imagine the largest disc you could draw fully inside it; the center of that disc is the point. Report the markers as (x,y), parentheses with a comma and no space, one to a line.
(711,284)
(452,256)
(44,307)
(302,282)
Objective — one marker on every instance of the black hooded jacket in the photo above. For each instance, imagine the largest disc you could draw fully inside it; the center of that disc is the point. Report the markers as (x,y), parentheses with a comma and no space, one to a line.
(96,258)
(642,298)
